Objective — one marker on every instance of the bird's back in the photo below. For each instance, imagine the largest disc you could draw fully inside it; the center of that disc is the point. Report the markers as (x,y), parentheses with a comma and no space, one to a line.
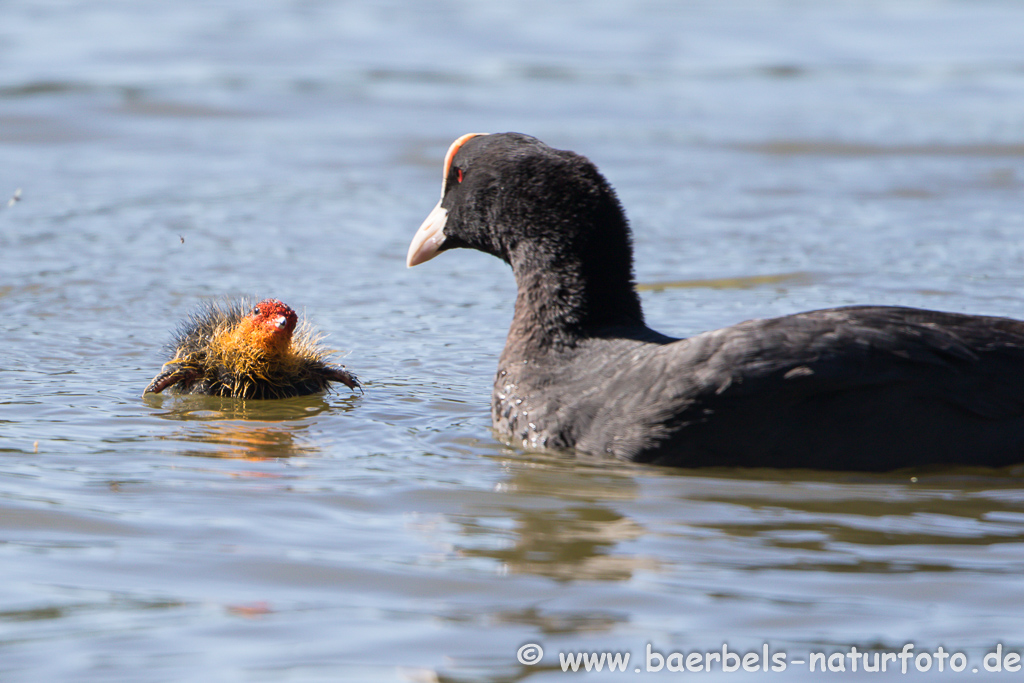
(868,388)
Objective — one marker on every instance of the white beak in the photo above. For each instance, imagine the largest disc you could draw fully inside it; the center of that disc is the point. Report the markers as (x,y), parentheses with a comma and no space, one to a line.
(429,238)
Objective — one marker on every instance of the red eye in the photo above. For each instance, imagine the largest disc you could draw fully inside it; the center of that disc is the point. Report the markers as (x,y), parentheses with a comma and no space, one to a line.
(458,175)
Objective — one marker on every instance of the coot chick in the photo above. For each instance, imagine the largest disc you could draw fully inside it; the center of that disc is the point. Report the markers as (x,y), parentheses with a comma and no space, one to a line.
(857,388)
(239,350)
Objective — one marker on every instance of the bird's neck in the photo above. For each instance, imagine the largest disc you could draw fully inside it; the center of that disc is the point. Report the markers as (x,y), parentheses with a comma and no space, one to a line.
(562,300)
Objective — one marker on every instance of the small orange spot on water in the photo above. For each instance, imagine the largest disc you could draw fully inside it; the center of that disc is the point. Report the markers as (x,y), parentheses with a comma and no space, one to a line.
(251,611)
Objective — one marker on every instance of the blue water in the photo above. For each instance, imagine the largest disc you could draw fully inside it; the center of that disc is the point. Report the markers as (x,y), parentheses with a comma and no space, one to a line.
(773,157)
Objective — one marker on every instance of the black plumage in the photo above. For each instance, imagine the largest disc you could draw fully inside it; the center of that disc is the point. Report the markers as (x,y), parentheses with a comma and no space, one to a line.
(857,388)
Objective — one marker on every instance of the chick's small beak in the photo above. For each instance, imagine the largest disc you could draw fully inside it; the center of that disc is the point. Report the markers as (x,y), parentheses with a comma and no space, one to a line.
(280,322)
(428,239)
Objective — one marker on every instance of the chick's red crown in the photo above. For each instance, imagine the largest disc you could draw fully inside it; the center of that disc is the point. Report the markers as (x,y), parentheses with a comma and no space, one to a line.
(273,316)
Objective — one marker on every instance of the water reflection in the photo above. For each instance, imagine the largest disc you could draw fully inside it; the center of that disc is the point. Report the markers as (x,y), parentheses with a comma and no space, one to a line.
(814,521)
(555,520)
(244,441)
(190,408)
(248,430)
(105,602)
(740,282)
(573,521)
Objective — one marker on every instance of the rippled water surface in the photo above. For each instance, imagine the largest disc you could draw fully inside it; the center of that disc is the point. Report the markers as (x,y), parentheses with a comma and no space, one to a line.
(773,157)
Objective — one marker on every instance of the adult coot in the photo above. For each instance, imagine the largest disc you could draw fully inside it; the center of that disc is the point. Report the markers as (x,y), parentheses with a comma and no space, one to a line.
(240,350)
(858,388)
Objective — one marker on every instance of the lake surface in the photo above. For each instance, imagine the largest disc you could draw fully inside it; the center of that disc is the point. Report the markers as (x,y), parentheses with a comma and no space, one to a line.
(773,157)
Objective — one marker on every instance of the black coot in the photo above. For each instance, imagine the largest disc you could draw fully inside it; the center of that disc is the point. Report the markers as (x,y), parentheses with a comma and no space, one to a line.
(858,388)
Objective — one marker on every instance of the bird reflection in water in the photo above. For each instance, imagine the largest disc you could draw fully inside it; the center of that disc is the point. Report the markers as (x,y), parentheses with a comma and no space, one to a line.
(550,535)
(214,427)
